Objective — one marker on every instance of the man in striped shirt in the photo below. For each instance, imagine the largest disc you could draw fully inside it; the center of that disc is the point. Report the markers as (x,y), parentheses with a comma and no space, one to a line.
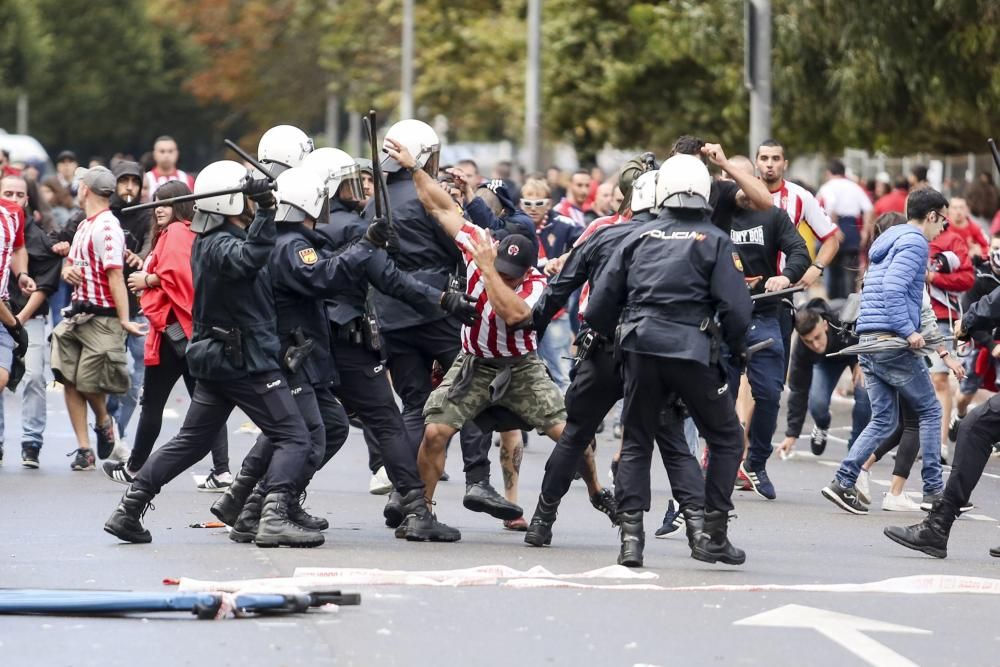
(499,365)
(88,346)
(165,154)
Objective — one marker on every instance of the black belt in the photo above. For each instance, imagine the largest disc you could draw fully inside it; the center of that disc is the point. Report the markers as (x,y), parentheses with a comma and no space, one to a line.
(77,307)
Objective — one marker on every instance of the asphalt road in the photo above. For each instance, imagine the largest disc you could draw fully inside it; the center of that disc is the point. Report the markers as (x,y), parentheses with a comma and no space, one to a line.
(51,537)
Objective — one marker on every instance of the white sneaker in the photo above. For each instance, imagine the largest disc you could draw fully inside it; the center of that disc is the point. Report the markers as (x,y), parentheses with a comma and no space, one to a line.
(862,484)
(216,483)
(900,503)
(380,484)
(121,451)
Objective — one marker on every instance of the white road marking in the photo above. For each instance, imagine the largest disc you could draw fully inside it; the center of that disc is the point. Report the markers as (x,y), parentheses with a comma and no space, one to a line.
(843,629)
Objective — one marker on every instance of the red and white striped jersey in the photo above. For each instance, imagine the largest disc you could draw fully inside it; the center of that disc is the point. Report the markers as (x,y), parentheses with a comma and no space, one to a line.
(11,238)
(587,233)
(802,207)
(155,178)
(568,209)
(489,337)
(99,245)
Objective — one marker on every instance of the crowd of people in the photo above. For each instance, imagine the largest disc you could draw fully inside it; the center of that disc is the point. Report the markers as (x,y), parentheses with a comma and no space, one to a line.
(676,304)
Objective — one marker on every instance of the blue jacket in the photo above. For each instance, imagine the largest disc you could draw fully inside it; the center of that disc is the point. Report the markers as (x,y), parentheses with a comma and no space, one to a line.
(556,237)
(894,284)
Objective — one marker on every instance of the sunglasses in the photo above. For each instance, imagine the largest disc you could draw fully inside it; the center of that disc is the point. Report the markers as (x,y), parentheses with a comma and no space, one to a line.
(534,203)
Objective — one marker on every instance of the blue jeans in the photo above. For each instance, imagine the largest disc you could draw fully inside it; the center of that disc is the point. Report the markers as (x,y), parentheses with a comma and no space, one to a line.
(32,386)
(888,376)
(766,373)
(121,406)
(826,374)
(554,349)
(59,300)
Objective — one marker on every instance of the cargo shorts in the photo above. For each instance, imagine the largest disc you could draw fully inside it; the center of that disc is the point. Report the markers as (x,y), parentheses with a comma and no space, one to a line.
(531,395)
(88,352)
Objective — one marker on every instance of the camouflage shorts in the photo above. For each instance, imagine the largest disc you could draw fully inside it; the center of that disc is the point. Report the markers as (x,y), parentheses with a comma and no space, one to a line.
(531,395)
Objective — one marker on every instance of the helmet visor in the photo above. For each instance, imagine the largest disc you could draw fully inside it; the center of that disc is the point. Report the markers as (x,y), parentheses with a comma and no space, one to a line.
(350,177)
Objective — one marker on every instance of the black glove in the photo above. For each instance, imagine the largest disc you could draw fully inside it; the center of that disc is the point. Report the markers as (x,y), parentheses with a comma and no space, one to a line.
(392,245)
(378,233)
(261,191)
(461,305)
(20,337)
(739,359)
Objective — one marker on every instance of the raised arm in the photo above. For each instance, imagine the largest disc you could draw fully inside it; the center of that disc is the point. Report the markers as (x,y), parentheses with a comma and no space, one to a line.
(436,201)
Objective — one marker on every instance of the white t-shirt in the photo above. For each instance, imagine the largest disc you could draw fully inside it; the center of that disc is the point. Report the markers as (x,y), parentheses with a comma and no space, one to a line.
(844,198)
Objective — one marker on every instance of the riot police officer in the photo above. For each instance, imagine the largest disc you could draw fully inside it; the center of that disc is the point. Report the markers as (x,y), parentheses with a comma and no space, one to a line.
(283,147)
(668,282)
(301,273)
(233,354)
(356,343)
(415,340)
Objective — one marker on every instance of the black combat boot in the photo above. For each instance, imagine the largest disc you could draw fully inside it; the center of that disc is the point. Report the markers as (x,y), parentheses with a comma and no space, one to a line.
(420,525)
(125,522)
(633,538)
(930,535)
(481,497)
(540,529)
(304,518)
(393,511)
(713,544)
(245,529)
(694,524)
(227,508)
(277,530)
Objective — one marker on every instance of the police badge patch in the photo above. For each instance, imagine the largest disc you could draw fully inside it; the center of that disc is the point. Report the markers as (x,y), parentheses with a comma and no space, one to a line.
(308,256)
(738,262)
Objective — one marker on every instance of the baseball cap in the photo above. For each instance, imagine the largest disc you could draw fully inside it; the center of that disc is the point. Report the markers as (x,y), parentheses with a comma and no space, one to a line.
(516,255)
(66,155)
(99,179)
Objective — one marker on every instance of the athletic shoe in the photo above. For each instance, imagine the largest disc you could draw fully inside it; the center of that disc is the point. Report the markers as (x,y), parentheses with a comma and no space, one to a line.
(817,440)
(117,471)
(953,428)
(121,451)
(863,485)
(759,481)
(600,428)
(900,503)
(216,483)
(444,477)
(84,459)
(845,498)
(29,457)
(517,525)
(967,507)
(617,431)
(930,499)
(742,481)
(107,438)
(379,484)
(673,521)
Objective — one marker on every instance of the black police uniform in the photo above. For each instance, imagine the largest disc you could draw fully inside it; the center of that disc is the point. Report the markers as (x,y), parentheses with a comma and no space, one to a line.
(364,387)
(302,273)
(233,355)
(414,340)
(597,382)
(665,281)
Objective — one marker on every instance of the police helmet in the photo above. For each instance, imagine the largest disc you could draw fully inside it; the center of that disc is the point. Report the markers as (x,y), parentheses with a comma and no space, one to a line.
(302,193)
(284,145)
(210,212)
(335,168)
(420,139)
(643,197)
(683,182)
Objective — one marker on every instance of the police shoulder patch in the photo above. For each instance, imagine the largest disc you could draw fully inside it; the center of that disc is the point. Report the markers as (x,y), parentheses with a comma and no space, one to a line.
(308,256)
(738,262)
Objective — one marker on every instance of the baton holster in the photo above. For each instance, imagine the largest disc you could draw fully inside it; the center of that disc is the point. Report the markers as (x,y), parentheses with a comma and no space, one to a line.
(709,327)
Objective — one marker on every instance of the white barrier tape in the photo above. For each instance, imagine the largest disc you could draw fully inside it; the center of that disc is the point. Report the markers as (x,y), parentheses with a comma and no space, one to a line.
(482,575)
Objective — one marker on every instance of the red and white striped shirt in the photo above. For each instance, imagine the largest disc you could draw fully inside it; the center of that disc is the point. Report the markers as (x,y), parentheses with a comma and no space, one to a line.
(801,207)
(99,245)
(155,178)
(587,233)
(489,337)
(11,238)
(568,209)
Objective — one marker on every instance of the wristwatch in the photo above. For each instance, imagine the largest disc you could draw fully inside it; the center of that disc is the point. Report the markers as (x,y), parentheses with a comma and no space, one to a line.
(820,266)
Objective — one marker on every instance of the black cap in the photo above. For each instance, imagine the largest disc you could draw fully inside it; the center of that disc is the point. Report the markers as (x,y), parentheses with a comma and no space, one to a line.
(499,188)
(124,168)
(66,155)
(516,255)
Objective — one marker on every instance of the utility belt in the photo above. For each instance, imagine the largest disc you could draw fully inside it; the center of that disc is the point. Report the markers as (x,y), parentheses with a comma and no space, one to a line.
(232,339)
(588,343)
(362,330)
(691,314)
(85,307)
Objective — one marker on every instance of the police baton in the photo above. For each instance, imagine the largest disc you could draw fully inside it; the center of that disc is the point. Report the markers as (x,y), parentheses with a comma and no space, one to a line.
(232,145)
(382,210)
(757,347)
(777,293)
(170,201)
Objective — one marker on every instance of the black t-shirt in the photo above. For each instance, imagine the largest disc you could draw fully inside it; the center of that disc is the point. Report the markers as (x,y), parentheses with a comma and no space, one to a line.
(760,237)
(44,266)
(722,199)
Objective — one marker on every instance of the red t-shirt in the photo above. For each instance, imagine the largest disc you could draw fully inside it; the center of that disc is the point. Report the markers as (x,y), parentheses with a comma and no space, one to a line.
(895,201)
(972,235)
